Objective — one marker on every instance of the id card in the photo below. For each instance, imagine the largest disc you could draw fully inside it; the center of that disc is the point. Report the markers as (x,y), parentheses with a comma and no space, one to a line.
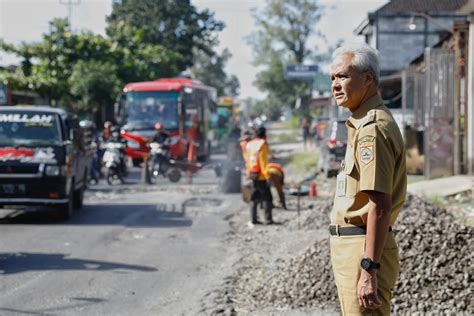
(341,184)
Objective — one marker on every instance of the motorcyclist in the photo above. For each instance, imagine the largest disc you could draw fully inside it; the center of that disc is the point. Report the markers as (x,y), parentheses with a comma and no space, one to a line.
(107,131)
(115,137)
(161,135)
(162,138)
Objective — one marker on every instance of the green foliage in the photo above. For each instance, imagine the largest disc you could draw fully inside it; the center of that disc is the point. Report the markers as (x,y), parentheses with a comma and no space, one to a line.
(174,24)
(83,71)
(210,70)
(94,83)
(290,137)
(304,160)
(280,38)
(293,122)
(267,107)
(146,40)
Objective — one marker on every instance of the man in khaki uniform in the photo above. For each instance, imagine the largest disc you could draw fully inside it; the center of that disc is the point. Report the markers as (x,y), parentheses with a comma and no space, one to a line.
(371,188)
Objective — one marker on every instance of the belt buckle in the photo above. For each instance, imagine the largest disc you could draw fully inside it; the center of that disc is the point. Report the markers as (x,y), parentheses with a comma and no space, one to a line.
(338,234)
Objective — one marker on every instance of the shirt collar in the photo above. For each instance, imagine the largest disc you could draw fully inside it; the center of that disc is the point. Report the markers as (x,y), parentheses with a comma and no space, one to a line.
(369,104)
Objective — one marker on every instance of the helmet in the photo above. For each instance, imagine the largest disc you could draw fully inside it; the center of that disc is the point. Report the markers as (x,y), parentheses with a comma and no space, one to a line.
(158,126)
(108,124)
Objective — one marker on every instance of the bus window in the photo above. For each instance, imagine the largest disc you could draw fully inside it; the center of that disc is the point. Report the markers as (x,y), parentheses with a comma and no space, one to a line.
(145,108)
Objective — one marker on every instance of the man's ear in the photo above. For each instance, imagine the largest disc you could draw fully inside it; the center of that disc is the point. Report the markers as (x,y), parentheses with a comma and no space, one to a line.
(369,77)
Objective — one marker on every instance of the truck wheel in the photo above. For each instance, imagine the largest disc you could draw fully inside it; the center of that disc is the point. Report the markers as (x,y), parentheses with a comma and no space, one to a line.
(66,210)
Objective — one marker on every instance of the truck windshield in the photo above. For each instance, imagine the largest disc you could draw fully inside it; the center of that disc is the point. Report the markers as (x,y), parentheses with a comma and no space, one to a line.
(29,128)
(145,108)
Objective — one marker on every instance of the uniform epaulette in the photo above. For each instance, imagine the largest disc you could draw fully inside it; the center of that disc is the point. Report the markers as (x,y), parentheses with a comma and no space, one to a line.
(370,118)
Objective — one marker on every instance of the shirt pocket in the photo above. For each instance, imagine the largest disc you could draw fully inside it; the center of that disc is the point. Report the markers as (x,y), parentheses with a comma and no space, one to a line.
(350,173)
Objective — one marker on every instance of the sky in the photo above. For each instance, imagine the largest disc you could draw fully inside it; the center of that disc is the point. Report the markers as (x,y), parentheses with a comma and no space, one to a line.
(27,20)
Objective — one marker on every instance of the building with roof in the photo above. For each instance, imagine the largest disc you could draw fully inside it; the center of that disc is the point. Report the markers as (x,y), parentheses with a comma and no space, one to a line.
(401,29)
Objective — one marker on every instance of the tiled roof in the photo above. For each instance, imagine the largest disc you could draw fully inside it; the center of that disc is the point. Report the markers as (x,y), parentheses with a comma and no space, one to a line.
(396,6)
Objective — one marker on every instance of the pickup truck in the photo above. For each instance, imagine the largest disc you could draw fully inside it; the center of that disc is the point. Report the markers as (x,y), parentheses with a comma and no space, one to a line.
(44,158)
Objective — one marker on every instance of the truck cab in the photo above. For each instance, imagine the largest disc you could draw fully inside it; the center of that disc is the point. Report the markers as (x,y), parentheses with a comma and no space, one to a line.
(44,158)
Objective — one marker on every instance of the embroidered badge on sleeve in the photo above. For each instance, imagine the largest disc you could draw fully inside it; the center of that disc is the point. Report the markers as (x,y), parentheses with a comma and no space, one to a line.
(366,149)
(366,153)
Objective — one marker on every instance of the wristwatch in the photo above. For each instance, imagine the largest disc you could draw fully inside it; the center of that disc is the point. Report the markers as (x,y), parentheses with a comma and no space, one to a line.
(368,264)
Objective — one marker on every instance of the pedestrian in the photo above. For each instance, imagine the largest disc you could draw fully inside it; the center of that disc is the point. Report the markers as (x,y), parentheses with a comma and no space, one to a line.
(370,187)
(305,125)
(256,155)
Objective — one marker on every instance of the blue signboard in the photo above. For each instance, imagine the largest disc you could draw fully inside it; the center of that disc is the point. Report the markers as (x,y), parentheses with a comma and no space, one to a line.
(300,72)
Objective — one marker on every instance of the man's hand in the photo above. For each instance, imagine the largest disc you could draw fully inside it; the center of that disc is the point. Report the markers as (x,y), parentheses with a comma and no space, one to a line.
(367,290)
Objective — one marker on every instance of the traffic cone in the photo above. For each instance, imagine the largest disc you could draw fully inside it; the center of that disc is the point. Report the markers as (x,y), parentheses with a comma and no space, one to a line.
(191,152)
(313,190)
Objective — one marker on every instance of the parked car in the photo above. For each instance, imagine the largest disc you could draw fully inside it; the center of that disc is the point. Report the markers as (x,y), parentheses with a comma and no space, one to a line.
(333,148)
(44,158)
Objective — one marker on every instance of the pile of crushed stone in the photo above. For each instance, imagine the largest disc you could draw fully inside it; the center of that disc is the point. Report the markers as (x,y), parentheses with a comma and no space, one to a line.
(436,267)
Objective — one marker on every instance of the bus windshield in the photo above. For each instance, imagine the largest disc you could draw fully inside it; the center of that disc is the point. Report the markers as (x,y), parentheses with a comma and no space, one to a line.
(145,108)
(29,128)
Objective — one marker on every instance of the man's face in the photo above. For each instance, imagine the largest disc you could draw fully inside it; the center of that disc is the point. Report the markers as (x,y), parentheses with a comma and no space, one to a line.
(349,86)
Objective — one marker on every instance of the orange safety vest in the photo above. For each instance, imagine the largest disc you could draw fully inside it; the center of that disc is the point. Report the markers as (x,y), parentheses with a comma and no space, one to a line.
(243,146)
(275,165)
(252,153)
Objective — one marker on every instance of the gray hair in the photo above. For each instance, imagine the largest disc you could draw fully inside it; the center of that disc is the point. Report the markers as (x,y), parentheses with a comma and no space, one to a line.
(364,58)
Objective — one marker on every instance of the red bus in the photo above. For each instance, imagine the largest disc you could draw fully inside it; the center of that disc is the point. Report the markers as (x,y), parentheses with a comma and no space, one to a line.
(182,105)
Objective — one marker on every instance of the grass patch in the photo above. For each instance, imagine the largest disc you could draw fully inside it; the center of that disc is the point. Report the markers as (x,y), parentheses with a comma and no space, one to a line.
(304,160)
(284,137)
(293,122)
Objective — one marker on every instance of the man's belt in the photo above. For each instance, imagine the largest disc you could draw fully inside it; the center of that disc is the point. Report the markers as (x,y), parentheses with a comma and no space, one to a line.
(336,230)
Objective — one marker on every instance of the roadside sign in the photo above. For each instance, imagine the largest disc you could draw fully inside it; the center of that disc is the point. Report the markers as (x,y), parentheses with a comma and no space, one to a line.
(300,72)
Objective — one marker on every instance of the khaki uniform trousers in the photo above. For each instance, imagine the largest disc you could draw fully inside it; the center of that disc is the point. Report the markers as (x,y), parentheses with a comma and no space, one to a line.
(346,254)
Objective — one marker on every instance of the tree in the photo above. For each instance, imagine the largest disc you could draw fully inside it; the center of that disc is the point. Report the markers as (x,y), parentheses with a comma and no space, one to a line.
(84,72)
(174,24)
(281,37)
(94,84)
(210,70)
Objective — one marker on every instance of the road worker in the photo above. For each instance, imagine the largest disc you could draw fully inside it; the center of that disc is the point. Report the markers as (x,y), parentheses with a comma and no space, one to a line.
(276,175)
(256,153)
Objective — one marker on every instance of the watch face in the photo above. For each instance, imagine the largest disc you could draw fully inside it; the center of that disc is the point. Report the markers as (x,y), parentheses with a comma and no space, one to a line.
(365,263)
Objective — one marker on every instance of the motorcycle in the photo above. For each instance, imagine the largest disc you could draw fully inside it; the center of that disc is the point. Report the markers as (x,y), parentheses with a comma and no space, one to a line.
(114,162)
(161,164)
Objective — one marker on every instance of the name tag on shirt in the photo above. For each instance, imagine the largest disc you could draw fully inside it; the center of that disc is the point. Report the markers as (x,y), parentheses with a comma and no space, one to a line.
(341,184)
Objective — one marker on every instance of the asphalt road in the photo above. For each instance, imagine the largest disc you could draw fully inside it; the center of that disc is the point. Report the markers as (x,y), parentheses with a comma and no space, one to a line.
(131,250)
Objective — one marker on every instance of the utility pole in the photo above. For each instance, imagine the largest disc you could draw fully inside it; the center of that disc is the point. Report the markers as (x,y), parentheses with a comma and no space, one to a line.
(70,4)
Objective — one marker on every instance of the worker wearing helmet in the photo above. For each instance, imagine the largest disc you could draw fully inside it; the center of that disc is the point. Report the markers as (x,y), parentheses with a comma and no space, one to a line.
(256,154)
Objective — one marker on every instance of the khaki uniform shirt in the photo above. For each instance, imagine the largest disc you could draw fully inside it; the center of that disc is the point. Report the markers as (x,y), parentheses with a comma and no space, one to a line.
(374,161)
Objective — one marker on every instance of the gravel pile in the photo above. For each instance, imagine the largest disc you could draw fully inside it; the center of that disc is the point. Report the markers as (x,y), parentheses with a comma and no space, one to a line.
(306,281)
(436,268)
(314,213)
(436,261)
